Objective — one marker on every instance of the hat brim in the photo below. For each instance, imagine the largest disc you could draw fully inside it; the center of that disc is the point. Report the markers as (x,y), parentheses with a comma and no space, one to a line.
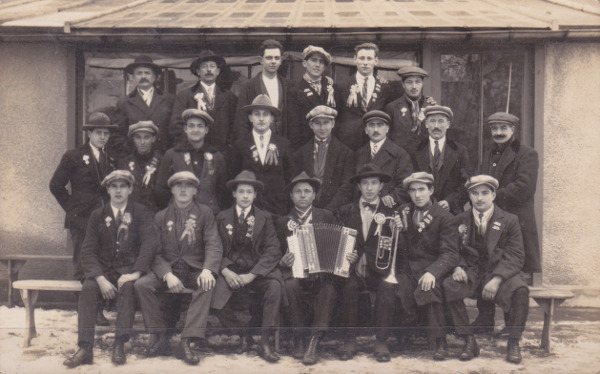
(316,185)
(491,186)
(249,108)
(209,120)
(232,184)
(325,58)
(416,180)
(371,174)
(218,59)
(131,67)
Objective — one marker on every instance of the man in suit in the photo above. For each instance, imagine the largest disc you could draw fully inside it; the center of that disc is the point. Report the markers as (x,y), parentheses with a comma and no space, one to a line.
(407,112)
(207,96)
(392,159)
(325,158)
(515,166)
(492,255)
(250,258)
(362,93)
(303,190)
(314,89)
(144,103)
(189,256)
(445,159)
(118,247)
(270,83)
(143,162)
(266,154)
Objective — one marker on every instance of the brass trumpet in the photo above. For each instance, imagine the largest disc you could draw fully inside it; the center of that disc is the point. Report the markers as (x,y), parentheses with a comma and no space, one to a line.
(386,251)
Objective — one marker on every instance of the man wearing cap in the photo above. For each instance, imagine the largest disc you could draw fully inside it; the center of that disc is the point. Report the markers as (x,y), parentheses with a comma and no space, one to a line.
(145,103)
(364,92)
(303,190)
(391,158)
(325,158)
(84,169)
(314,89)
(407,112)
(208,96)
(445,159)
(188,256)
(267,82)
(143,162)
(119,246)
(429,243)
(251,252)
(492,256)
(364,275)
(266,154)
(195,155)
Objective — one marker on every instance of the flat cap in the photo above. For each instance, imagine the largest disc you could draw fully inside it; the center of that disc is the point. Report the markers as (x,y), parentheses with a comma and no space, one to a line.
(407,71)
(311,49)
(322,111)
(482,179)
(303,177)
(503,118)
(376,114)
(438,109)
(147,126)
(245,177)
(370,171)
(118,175)
(182,176)
(189,113)
(98,120)
(419,176)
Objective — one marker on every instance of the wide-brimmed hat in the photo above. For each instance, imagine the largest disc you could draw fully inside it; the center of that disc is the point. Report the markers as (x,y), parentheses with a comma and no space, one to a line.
(321,111)
(438,109)
(262,101)
(370,171)
(124,175)
(311,49)
(207,55)
(482,179)
(303,177)
(245,177)
(419,176)
(144,61)
(376,114)
(408,71)
(98,120)
(147,126)
(188,113)
(503,118)
(183,176)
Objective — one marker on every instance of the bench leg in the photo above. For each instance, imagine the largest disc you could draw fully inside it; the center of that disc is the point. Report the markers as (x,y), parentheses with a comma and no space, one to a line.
(29,298)
(13,274)
(548,307)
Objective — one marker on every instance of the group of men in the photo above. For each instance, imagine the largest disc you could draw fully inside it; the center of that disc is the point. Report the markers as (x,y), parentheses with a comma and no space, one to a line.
(211,215)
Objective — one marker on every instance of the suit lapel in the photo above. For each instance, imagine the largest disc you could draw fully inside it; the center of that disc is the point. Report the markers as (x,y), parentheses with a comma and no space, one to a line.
(92,165)
(157,99)
(383,156)
(218,99)
(331,158)
(422,157)
(505,159)
(449,159)
(259,222)
(493,231)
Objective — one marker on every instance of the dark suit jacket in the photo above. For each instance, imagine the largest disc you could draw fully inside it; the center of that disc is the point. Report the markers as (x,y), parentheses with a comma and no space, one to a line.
(79,167)
(273,198)
(350,129)
(339,167)
(451,175)
(223,112)
(137,165)
(254,87)
(135,253)
(205,252)
(402,123)
(302,98)
(266,250)
(392,160)
(517,173)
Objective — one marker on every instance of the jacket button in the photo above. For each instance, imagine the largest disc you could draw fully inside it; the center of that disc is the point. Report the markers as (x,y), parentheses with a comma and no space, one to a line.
(494,164)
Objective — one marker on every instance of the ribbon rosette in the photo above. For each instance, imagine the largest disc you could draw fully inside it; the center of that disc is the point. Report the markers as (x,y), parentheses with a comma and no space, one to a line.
(131,165)
(187,158)
(190,230)
(250,222)
(229,229)
(463,231)
(352,101)
(272,157)
(170,225)
(403,111)
(124,226)
(108,220)
(210,163)
(292,225)
(86,159)
(421,117)
(150,169)
(426,222)
(199,97)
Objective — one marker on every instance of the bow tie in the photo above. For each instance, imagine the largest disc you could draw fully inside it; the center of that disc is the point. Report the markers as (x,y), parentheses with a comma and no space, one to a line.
(371,206)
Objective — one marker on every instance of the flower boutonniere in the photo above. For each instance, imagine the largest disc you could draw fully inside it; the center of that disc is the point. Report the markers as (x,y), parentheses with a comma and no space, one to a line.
(210,163)
(190,229)
(131,165)
(463,231)
(170,225)
(124,226)
(229,228)
(187,158)
(496,225)
(254,153)
(421,116)
(272,157)
(250,222)
(150,169)
(108,220)
(352,101)
(403,111)
(330,94)
(199,97)
(86,159)
(376,91)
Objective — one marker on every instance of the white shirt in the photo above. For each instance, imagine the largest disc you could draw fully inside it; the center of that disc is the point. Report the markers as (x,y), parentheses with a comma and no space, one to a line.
(210,90)
(487,215)
(238,210)
(272,85)
(262,150)
(378,145)
(366,215)
(147,95)
(96,152)
(116,211)
(360,80)
(441,144)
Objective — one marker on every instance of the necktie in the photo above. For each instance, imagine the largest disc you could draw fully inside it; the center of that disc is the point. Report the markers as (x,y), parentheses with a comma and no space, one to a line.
(373,150)
(210,97)
(241,217)
(415,115)
(481,231)
(262,141)
(370,206)
(364,94)
(119,218)
(436,153)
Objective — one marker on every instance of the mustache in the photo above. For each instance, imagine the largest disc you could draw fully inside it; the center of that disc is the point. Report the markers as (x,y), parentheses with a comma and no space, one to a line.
(144,80)
(499,136)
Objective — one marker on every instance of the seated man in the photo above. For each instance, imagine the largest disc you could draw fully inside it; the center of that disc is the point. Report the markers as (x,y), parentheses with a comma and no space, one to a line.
(188,256)
(250,257)
(492,255)
(303,190)
(118,247)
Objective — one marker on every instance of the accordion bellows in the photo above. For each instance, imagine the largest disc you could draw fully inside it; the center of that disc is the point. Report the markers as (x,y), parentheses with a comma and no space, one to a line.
(321,248)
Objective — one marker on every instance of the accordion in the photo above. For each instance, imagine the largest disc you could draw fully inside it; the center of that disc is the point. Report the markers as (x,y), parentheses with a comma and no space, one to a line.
(321,248)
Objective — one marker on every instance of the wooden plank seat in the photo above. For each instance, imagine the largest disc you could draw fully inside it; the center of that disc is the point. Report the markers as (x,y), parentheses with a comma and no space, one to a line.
(548,299)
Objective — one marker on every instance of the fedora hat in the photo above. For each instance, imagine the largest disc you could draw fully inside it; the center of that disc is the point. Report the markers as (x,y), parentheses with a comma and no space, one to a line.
(262,101)
(370,171)
(303,177)
(98,120)
(207,55)
(245,177)
(144,61)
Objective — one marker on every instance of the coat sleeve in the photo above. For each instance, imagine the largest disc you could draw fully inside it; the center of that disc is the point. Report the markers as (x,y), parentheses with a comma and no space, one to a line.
(522,188)
(346,189)
(89,257)
(213,249)
(513,253)
(404,168)
(448,258)
(271,251)
(148,241)
(295,119)
(160,266)
(221,227)
(60,179)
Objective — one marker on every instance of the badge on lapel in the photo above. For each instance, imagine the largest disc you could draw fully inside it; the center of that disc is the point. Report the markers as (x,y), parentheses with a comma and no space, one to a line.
(496,225)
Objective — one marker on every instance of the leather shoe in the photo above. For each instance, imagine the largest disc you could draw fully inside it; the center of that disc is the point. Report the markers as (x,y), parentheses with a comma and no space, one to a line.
(267,353)
(348,350)
(441,350)
(83,356)
(189,356)
(118,354)
(159,346)
(298,352)
(382,353)
(311,357)
(101,319)
(470,349)
(513,351)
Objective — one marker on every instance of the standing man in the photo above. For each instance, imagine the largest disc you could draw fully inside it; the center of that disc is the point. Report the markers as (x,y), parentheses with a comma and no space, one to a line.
(189,256)
(143,162)
(145,103)
(407,112)
(325,158)
(392,159)
(492,255)
(250,258)
(362,93)
(445,159)
(118,248)
(314,89)
(269,83)
(206,95)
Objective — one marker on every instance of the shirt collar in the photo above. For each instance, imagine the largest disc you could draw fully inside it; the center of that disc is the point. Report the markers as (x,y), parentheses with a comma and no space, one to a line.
(441,143)
(326,141)
(266,136)
(486,215)
(238,210)
(361,201)
(360,78)
(208,88)
(116,211)
(379,143)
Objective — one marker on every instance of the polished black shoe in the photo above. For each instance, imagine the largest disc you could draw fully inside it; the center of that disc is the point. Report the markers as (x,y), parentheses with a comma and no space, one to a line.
(513,351)
(311,357)
(118,355)
(470,349)
(441,350)
(189,356)
(159,346)
(83,356)
(101,319)
(266,353)
(298,352)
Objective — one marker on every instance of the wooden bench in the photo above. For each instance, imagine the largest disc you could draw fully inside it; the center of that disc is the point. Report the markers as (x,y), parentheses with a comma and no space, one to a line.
(548,298)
